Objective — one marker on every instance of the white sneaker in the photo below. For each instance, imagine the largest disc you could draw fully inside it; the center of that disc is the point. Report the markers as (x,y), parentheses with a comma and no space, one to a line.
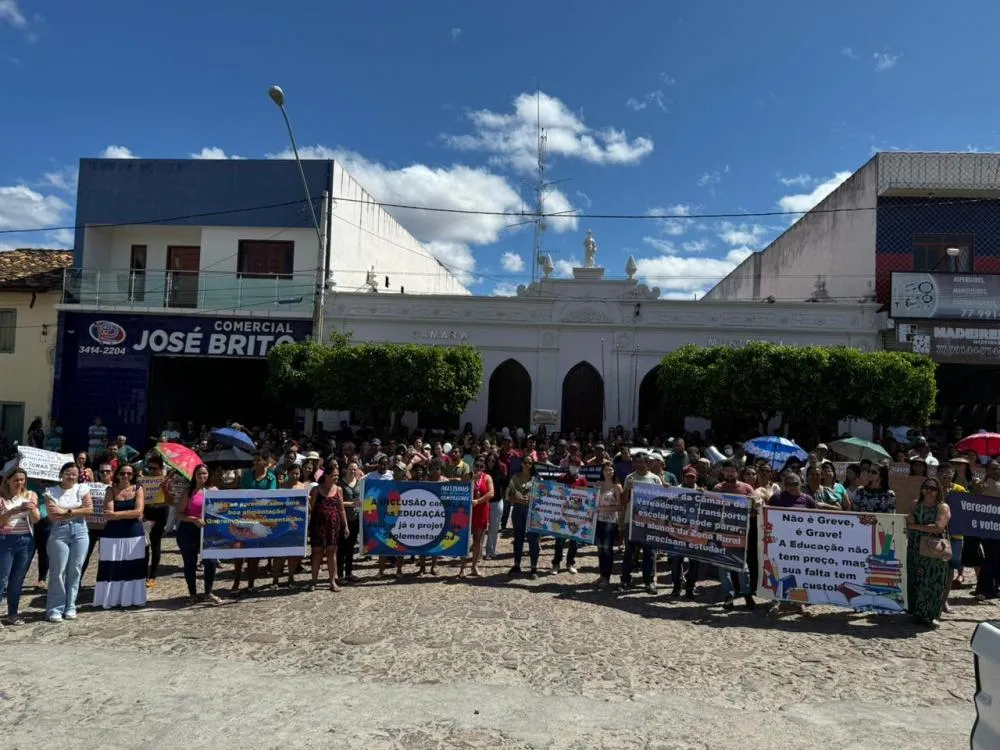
(69,616)
(571,569)
(54,618)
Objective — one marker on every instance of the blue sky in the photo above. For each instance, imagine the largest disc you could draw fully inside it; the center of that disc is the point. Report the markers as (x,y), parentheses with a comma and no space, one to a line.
(668,108)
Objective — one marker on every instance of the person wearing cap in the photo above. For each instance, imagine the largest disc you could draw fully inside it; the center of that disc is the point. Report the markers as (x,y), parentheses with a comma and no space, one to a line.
(689,481)
(922,450)
(640,475)
(791,496)
(731,485)
(571,478)
(822,452)
(657,465)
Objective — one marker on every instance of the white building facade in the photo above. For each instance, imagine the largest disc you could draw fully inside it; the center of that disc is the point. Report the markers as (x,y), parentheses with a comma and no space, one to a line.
(587,347)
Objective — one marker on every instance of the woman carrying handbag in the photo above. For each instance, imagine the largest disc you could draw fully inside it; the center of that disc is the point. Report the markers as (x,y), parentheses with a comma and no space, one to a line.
(928,554)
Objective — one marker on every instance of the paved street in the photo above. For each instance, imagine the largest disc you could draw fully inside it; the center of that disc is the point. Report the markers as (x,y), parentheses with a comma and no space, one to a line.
(424,663)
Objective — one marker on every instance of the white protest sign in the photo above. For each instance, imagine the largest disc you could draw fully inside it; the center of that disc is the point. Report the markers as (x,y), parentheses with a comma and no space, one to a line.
(39,464)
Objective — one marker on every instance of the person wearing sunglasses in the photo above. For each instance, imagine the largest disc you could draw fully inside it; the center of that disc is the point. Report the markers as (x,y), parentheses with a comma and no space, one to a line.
(121,574)
(927,577)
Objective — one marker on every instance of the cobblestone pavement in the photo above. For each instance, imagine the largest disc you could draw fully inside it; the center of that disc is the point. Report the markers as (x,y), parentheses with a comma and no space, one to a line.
(422,662)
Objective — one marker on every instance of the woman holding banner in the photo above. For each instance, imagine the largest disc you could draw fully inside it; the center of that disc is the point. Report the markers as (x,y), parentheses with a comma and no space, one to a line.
(927,565)
(190,522)
(518,491)
(482,494)
(609,503)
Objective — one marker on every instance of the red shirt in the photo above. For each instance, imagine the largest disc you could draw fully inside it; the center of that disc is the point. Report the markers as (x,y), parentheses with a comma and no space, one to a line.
(736,488)
(572,481)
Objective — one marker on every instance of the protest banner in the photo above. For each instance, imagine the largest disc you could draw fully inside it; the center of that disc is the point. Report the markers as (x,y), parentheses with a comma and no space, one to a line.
(974,515)
(556,509)
(150,487)
(706,526)
(431,519)
(591,473)
(254,523)
(855,560)
(39,464)
(98,491)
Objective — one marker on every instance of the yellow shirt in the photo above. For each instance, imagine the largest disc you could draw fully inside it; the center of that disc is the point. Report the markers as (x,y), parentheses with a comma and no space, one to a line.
(957,488)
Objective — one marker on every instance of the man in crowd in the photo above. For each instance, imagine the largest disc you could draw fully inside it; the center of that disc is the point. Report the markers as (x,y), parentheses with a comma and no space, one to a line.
(730,485)
(640,475)
(571,478)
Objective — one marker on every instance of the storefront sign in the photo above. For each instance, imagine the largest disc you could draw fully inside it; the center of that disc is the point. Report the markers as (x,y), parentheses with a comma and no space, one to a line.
(975,342)
(945,295)
(191,336)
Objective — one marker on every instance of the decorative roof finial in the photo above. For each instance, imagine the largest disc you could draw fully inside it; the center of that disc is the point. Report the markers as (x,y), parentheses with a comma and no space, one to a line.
(547,267)
(589,250)
(631,267)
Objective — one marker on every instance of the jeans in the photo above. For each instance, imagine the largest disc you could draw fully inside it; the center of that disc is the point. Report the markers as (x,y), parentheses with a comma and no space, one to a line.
(15,559)
(505,517)
(189,542)
(68,542)
(727,582)
(345,550)
(570,555)
(158,514)
(606,536)
(496,512)
(648,563)
(95,537)
(989,574)
(42,529)
(520,516)
(677,568)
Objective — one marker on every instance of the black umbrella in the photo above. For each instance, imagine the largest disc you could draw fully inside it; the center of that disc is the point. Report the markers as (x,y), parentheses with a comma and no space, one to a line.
(229,457)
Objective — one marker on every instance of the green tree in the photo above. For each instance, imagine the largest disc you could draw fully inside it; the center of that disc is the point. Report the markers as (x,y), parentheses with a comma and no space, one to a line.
(810,387)
(387,379)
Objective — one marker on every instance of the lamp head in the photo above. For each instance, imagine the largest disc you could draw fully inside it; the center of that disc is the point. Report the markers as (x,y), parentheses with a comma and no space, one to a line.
(277,95)
(953,252)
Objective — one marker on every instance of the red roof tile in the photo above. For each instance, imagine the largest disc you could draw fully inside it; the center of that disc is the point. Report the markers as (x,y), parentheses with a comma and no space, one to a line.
(31,270)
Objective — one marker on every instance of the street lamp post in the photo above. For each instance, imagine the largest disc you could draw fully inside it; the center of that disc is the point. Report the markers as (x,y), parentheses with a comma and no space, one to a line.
(950,253)
(319,298)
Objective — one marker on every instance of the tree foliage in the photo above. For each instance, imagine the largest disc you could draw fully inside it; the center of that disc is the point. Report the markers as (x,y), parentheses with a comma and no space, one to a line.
(384,378)
(810,387)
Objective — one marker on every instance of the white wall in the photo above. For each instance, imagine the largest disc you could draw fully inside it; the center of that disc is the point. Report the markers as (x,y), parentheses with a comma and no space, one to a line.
(27,372)
(837,247)
(365,235)
(535,332)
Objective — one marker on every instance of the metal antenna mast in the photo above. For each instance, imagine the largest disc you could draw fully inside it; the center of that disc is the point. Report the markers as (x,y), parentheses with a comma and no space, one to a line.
(541,190)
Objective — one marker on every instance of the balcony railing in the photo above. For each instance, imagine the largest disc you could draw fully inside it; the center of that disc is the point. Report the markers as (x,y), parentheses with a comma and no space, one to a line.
(209,290)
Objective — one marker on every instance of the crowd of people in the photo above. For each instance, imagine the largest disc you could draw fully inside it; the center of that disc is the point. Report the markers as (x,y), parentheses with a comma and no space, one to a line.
(124,501)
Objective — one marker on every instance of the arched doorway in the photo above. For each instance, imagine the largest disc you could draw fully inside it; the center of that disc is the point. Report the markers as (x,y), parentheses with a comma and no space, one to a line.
(509,396)
(583,399)
(654,413)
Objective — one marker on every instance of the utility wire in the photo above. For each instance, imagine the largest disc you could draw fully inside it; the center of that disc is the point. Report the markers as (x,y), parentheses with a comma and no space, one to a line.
(525,215)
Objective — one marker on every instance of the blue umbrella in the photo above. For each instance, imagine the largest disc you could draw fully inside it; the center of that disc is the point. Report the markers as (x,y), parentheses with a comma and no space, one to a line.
(231,438)
(776,450)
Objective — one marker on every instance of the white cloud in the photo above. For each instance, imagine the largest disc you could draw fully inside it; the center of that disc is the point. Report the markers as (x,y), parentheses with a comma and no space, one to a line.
(697,246)
(660,245)
(505,289)
(654,98)
(24,208)
(564,267)
(667,79)
(802,202)
(455,34)
(11,14)
(512,138)
(672,222)
(62,237)
(678,274)
(512,262)
(712,178)
(799,181)
(447,235)
(585,198)
(63,179)
(885,60)
(213,152)
(118,152)
(848,53)
(742,234)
